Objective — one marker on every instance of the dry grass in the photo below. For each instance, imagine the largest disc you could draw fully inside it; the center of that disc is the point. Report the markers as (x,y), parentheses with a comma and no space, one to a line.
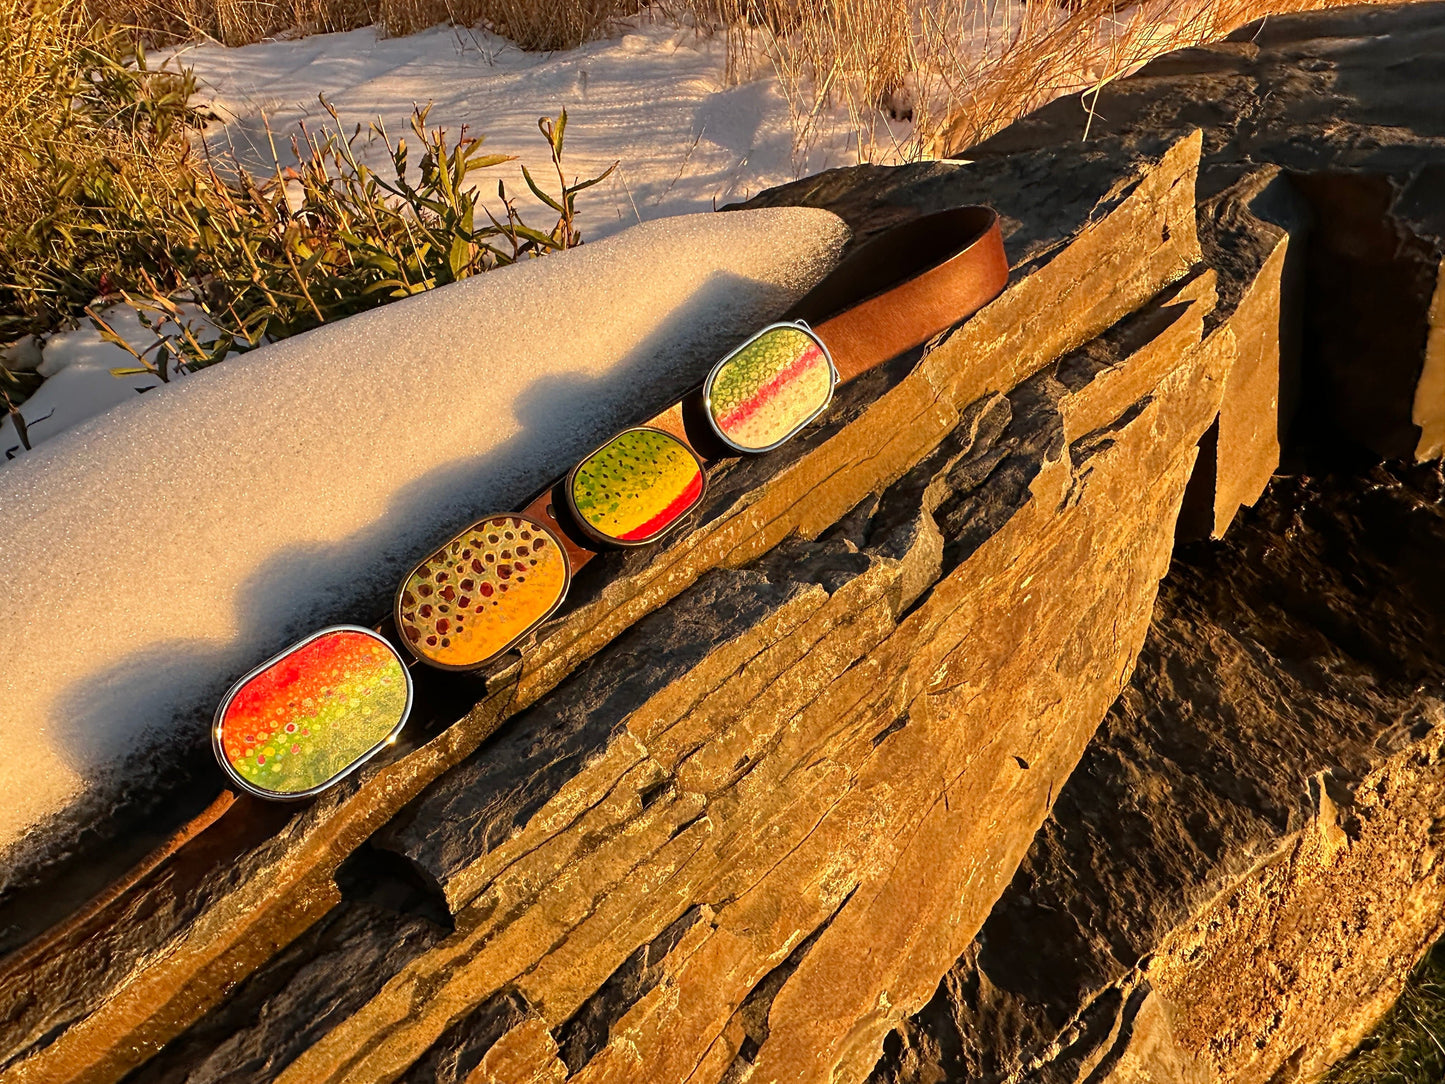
(93,149)
(960,70)
(1408,1044)
(1079,52)
(532,24)
(58,116)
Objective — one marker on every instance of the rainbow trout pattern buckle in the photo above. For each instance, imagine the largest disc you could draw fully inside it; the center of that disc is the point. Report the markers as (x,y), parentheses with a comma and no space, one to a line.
(312,715)
(481,592)
(636,487)
(760,395)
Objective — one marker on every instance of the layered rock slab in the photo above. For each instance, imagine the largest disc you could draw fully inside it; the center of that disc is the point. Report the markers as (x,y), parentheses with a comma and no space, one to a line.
(725,862)
(103,995)
(1235,883)
(1350,104)
(1236,880)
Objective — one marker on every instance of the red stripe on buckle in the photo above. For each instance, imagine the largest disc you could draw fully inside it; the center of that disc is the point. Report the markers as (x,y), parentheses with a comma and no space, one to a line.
(678,506)
(760,398)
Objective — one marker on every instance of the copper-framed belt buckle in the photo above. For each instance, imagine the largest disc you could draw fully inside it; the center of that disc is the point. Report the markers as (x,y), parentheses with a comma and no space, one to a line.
(763,393)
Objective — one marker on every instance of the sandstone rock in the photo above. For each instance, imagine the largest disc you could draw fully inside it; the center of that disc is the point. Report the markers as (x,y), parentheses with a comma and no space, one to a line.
(1244,867)
(1235,882)
(803,782)
(857,633)
(1351,105)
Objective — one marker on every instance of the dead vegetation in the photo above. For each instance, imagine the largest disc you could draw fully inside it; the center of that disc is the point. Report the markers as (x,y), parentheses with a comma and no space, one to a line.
(959,70)
(100,187)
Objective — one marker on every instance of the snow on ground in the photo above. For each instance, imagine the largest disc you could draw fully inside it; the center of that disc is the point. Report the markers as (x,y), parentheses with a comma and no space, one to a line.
(156,552)
(79,383)
(652,98)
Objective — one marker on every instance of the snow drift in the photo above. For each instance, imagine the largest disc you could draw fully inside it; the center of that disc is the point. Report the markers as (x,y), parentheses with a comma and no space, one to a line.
(154,553)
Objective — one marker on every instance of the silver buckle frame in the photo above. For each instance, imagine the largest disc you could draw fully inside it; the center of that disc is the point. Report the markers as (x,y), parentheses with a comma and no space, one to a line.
(795,325)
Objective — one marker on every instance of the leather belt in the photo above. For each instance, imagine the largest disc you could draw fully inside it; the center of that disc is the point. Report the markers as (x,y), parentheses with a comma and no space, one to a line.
(893,293)
(319,710)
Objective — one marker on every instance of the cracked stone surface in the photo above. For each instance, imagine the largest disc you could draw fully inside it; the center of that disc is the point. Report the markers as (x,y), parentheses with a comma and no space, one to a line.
(898,762)
(1244,867)
(759,724)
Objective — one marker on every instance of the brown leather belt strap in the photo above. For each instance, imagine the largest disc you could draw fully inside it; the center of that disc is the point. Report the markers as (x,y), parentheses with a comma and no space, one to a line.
(905,286)
(891,294)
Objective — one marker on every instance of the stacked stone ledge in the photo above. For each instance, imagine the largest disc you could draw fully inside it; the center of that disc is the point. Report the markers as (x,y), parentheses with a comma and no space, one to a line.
(627,782)
(744,811)
(1236,880)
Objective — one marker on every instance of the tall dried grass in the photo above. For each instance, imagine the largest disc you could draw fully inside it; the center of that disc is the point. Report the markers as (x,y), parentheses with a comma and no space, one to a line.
(93,149)
(959,70)
(532,24)
(1078,51)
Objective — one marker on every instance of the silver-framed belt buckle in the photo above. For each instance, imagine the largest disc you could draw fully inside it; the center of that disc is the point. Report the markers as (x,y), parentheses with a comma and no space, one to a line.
(760,395)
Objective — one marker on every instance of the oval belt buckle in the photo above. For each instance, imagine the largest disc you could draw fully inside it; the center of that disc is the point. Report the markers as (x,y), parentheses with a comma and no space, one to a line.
(313,714)
(770,387)
(482,592)
(636,487)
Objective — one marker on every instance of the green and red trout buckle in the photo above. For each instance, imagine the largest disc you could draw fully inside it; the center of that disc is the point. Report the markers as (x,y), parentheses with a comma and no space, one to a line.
(312,715)
(636,487)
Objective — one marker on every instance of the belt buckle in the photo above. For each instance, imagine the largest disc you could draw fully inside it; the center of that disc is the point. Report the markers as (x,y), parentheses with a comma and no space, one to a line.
(636,487)
(482,591)
(310,716)
(759,396)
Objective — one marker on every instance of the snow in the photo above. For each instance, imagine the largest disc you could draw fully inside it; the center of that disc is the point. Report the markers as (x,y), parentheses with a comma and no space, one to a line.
(156,551)
(653,97)
(78,384)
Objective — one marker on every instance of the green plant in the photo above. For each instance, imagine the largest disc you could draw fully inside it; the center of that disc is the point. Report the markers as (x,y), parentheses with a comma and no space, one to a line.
(18,420)
(565,233)
(331,237)
(1407,1046)
(532,24)
(102,196)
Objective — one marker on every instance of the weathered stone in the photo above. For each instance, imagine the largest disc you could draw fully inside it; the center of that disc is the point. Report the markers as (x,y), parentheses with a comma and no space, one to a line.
(1255,234)
(1246,855)
(811,773)
(1237,879)
(109,991)
(1351,105)
(383,920)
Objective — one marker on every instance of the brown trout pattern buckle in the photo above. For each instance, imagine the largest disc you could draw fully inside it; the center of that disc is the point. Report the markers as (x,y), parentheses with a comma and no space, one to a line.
(482,592)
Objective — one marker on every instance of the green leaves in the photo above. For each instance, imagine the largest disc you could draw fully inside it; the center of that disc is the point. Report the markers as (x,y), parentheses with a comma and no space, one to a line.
(102,197)
(565,233)
(330,237)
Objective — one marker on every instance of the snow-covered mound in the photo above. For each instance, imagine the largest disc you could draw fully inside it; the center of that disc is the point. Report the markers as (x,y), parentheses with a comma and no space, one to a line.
(653,98)
(156,552)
